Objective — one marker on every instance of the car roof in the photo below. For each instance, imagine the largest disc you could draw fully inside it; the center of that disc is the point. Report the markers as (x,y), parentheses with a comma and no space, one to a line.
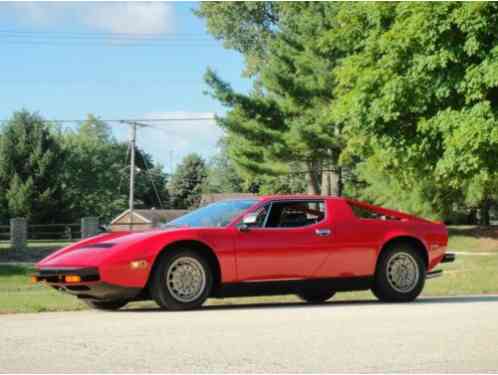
(298,197)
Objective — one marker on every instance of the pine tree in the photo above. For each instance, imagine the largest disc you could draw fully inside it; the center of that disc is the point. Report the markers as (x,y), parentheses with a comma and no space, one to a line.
(30,163)
(284,121)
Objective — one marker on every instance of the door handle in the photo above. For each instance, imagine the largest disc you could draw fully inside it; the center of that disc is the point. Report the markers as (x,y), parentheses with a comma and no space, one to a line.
(322,232)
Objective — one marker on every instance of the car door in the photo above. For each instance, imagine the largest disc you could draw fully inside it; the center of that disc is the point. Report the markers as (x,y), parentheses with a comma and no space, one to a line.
(285,245)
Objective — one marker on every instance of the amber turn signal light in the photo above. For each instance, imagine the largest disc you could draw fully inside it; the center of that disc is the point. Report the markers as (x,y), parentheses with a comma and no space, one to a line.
(138,264)
(72,279)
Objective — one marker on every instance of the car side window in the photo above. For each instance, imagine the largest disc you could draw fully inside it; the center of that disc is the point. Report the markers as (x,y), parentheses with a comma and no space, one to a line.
(293,214)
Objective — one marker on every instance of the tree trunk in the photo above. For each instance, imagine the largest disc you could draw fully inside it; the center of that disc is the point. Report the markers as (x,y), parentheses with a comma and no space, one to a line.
(326,182)
(332,182)
(471,217)
(313,178)
(484,214)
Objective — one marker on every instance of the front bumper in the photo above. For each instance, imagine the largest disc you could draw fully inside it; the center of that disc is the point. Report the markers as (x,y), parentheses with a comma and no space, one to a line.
(57,275)
(90,287)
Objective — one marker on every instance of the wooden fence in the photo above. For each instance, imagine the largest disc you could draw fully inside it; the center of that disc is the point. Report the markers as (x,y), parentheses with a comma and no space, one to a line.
(19,232)
(54,231)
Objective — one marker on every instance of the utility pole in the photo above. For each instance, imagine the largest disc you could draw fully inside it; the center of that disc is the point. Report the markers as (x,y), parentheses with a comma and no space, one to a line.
(133,139)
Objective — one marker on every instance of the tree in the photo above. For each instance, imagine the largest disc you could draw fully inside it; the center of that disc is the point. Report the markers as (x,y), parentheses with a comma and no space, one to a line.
(30,163)
(244,26)
(187,182)
(422,94)
(402,94)
(284,122)
(222,175)
(150,182)
(291,183)
(97,172)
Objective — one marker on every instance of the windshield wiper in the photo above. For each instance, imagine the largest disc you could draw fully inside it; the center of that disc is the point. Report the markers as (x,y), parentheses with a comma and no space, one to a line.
(165,226)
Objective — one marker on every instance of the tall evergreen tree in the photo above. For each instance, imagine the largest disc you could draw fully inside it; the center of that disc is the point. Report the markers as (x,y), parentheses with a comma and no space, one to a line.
(30,164)
(244,26)
(284,122)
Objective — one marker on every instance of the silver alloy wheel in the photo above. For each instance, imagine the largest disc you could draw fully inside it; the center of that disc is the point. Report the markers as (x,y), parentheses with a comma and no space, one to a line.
(186,279)
(402,272)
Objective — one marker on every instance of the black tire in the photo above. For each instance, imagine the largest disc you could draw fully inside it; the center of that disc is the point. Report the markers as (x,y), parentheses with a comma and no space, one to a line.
(386,288)
(315,296)
(158,286)
(106,305)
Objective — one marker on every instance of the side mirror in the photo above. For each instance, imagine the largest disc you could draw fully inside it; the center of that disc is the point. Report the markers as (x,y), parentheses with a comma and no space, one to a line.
(247,221)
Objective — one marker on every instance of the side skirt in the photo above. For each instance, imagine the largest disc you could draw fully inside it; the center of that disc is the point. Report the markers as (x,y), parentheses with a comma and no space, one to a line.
(269,288)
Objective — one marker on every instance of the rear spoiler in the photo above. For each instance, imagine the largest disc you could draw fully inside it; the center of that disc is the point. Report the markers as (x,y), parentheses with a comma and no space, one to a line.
(388,212)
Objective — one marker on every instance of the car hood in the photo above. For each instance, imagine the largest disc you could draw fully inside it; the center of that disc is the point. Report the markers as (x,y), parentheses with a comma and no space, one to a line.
(93,251)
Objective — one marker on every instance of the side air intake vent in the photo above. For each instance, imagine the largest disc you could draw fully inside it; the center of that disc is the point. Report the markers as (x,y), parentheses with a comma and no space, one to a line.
(103,245)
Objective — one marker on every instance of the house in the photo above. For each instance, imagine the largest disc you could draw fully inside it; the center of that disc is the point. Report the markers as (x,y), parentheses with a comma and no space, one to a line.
(216,197)
(144,219)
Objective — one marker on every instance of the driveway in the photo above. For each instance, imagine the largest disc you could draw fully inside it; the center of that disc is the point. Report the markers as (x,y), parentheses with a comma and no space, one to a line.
(431,335)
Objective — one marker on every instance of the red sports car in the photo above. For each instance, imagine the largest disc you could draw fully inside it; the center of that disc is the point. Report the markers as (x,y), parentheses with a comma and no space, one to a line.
(311,246)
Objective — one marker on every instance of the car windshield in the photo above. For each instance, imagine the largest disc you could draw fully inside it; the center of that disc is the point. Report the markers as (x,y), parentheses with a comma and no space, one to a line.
(218,214)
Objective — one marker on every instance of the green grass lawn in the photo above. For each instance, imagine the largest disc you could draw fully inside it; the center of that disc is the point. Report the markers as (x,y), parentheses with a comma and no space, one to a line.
(470,274)
(18,294)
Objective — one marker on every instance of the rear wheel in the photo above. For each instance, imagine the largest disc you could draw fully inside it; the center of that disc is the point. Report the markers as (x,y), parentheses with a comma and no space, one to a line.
(105,305)
(182,280)
(400,274)
(315,296)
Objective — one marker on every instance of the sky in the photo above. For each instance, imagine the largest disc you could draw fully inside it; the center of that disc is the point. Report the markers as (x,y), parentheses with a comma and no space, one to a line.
(117,60)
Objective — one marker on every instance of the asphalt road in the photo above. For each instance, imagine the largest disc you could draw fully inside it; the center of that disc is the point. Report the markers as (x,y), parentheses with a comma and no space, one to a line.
(431,335)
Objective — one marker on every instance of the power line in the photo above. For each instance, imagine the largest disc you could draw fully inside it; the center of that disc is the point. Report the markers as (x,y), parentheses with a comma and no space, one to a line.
(102,33)
(58,36)
(138,122)
(100,82)
(105,39)
(169,119)
(112,45)
(11,37)
(104,36)
(147,170)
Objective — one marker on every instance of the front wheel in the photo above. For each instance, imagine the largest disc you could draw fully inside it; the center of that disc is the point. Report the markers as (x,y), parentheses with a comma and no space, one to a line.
(400,274)
(315,296)
(182,280)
